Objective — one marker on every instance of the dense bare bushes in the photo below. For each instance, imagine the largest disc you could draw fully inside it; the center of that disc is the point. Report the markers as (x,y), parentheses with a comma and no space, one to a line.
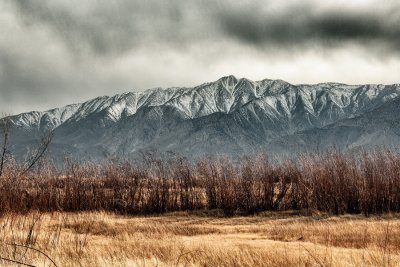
(332,182)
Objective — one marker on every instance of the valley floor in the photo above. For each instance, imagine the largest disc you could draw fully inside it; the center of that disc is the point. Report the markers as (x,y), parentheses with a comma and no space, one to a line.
(182,239)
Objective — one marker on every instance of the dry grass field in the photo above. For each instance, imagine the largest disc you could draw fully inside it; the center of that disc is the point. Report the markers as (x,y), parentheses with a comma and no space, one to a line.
(199,239)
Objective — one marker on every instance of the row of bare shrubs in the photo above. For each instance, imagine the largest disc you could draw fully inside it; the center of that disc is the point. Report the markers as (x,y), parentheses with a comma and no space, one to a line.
(331,182)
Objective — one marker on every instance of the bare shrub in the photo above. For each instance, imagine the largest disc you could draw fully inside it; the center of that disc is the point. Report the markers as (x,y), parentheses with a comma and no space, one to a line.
(332,182)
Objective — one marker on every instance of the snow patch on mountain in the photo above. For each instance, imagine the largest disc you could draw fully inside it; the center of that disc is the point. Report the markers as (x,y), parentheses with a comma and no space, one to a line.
(229,115)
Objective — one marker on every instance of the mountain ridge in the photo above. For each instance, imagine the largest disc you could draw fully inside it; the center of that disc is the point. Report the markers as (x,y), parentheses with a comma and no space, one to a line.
(227,116)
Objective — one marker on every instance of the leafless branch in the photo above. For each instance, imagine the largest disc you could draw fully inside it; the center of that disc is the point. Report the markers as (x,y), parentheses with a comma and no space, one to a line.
(4,127)
(39,152)
(35,249)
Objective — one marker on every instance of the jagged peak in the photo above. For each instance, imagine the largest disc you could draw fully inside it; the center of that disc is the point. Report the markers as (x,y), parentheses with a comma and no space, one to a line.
(228,79)
(226,94)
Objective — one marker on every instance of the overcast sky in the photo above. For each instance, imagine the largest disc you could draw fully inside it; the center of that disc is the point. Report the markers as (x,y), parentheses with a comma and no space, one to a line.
(57,52)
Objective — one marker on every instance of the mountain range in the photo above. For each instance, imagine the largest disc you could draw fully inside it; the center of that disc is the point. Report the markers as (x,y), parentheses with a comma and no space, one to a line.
(229,116)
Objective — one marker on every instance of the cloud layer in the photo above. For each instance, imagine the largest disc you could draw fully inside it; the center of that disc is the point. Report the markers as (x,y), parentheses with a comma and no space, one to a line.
(299,24)
(55,52)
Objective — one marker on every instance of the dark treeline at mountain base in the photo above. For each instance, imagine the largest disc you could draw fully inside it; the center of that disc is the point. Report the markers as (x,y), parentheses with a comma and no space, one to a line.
(333,182)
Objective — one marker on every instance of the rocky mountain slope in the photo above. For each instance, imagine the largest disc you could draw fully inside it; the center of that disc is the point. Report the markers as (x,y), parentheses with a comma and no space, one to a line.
(229,116)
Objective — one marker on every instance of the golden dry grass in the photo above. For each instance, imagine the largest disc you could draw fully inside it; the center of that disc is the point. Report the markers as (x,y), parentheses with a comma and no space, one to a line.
(181,239)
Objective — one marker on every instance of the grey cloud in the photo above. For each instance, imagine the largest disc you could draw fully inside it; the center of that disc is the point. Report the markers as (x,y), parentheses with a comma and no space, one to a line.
(57,52)
(300,25)
(113,27)
(96,30)
(32,85)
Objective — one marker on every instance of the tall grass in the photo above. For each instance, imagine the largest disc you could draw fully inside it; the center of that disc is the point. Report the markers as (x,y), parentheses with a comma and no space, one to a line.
(198,239)
(332,182)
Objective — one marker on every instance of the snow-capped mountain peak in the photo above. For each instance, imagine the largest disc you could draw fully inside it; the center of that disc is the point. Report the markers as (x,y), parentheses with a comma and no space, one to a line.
(228,115)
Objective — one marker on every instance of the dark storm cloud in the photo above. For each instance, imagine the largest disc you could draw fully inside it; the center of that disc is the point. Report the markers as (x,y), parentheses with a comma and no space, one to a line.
(299,25)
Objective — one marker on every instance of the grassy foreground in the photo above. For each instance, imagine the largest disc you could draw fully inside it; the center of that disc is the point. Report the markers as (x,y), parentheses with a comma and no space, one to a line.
(196,239)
